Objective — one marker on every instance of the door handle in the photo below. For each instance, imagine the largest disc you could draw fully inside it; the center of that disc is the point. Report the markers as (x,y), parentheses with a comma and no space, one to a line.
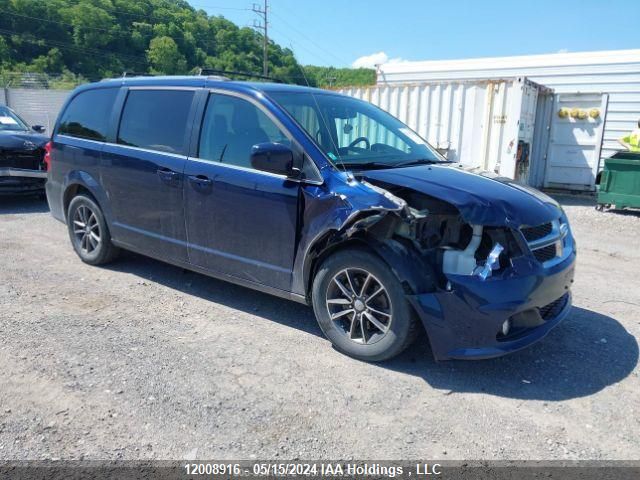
(168,176)
(200,180)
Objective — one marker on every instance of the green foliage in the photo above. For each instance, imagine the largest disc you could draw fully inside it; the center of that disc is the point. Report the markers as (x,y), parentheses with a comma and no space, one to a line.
(165,57)
(95,39)
(5,52)
(66,81)
(330,77)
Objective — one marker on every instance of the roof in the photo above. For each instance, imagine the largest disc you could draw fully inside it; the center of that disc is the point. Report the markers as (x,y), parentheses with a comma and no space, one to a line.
(202,82)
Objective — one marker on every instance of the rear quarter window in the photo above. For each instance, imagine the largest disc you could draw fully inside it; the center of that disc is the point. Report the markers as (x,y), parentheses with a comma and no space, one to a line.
(88,114)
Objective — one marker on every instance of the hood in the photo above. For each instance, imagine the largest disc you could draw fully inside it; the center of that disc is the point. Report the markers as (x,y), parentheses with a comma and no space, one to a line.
(481,197)
(15,140)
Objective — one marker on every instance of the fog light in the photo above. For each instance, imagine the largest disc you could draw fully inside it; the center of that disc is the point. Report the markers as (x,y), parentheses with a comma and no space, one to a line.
(506,326)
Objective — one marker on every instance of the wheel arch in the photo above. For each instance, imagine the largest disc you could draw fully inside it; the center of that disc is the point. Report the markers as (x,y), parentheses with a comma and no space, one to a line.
(73,191)
(322,250)
(78,182)
(414,273)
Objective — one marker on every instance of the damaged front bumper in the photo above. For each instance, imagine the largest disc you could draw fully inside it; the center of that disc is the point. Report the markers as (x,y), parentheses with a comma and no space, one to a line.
(466,321)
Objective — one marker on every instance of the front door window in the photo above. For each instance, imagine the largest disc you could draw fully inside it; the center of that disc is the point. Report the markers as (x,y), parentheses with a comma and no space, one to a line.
(231,126)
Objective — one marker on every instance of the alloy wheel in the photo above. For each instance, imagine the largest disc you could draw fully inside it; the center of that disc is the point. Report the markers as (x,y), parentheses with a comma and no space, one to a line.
(86,229)
(359,305)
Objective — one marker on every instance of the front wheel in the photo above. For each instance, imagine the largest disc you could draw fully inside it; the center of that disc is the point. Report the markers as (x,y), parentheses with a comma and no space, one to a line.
(361,306)
(88,231)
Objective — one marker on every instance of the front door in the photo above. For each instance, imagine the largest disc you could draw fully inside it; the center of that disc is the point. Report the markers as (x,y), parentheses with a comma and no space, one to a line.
(143,172)
(240,221)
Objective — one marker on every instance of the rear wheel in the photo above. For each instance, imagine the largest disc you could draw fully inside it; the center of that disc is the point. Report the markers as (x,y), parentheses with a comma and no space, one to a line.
(88,231)
(361,306)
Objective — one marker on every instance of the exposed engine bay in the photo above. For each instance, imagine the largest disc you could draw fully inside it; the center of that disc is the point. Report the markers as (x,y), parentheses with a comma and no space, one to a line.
(438,231)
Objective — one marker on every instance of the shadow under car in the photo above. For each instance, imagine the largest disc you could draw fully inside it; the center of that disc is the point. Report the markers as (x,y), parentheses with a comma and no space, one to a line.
(586,353)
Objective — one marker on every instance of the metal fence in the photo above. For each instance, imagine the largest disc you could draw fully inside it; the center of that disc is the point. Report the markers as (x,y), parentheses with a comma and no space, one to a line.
(36,97)
(36,106)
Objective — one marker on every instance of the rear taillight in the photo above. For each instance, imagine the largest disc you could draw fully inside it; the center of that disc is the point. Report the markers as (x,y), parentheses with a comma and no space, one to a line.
(47,156)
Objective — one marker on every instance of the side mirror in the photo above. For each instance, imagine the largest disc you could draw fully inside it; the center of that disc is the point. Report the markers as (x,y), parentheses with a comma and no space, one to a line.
(38,128)
(273,158)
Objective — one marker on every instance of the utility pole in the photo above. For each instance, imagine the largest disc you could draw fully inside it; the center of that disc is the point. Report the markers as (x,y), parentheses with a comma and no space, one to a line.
(263,12)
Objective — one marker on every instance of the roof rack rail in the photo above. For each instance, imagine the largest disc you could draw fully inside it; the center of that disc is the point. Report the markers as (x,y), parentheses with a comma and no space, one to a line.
(224,73)
(136,74)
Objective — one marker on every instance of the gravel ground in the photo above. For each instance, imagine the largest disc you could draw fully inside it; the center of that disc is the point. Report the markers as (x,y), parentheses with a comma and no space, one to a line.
(144,360)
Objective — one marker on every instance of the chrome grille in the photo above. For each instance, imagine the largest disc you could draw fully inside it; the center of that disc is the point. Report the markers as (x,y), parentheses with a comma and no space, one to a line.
(546,241)
(545,254)
(536,233)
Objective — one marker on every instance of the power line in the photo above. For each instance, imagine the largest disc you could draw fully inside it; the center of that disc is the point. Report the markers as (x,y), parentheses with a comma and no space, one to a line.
(264,13)
(298,44)
(150,16)
(140,60)
(341,60)
(110,32)
(58,22)
(54,43)
(238,9)
(54,21)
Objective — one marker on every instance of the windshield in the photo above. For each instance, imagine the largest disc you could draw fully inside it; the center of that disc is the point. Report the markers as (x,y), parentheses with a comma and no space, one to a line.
(11,121)
(354,133)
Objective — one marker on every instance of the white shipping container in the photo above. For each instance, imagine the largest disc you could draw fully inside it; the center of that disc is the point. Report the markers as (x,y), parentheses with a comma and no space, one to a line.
(614,74)
(475,122)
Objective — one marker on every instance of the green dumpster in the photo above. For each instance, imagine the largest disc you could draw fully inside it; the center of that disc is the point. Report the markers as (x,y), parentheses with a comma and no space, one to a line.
(620,181)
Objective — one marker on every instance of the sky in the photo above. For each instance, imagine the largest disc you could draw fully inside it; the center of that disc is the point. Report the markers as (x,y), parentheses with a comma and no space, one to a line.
(345,33)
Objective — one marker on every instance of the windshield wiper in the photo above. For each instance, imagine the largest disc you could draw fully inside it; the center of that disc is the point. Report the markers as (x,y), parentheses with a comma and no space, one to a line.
(367,165)
(420,161)
(407,163)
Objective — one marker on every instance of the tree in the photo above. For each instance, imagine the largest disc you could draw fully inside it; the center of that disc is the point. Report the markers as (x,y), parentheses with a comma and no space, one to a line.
(165,58)
(52,62)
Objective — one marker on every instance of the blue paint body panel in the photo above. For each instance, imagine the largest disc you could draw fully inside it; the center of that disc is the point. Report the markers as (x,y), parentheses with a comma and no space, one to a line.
(463,323)
(483,199)
(228,231)
(266,231)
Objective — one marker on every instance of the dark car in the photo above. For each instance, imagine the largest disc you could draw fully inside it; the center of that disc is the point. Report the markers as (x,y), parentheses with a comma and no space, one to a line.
(316,197)
(22,154)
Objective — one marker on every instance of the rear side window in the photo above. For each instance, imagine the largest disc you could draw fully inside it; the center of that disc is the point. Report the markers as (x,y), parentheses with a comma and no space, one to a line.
(88,114)
(156,120)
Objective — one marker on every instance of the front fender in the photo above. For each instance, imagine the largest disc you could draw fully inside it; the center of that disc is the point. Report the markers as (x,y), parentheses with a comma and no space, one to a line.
(326,213)
(412,269)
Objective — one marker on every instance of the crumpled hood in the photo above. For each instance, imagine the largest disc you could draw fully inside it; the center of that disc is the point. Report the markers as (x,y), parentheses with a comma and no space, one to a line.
(15,140)
(482,198)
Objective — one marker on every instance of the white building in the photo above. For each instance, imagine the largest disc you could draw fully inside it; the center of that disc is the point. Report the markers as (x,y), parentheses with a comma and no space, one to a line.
(481,108)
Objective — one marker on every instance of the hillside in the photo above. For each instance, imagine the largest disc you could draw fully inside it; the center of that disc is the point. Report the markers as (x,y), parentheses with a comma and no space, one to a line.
(93,39)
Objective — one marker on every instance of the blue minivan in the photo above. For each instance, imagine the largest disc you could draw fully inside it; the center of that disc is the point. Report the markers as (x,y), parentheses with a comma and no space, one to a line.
(316,197)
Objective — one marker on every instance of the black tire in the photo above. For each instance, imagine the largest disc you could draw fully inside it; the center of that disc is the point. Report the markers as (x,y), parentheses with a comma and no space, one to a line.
(401,325)
(85,222)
